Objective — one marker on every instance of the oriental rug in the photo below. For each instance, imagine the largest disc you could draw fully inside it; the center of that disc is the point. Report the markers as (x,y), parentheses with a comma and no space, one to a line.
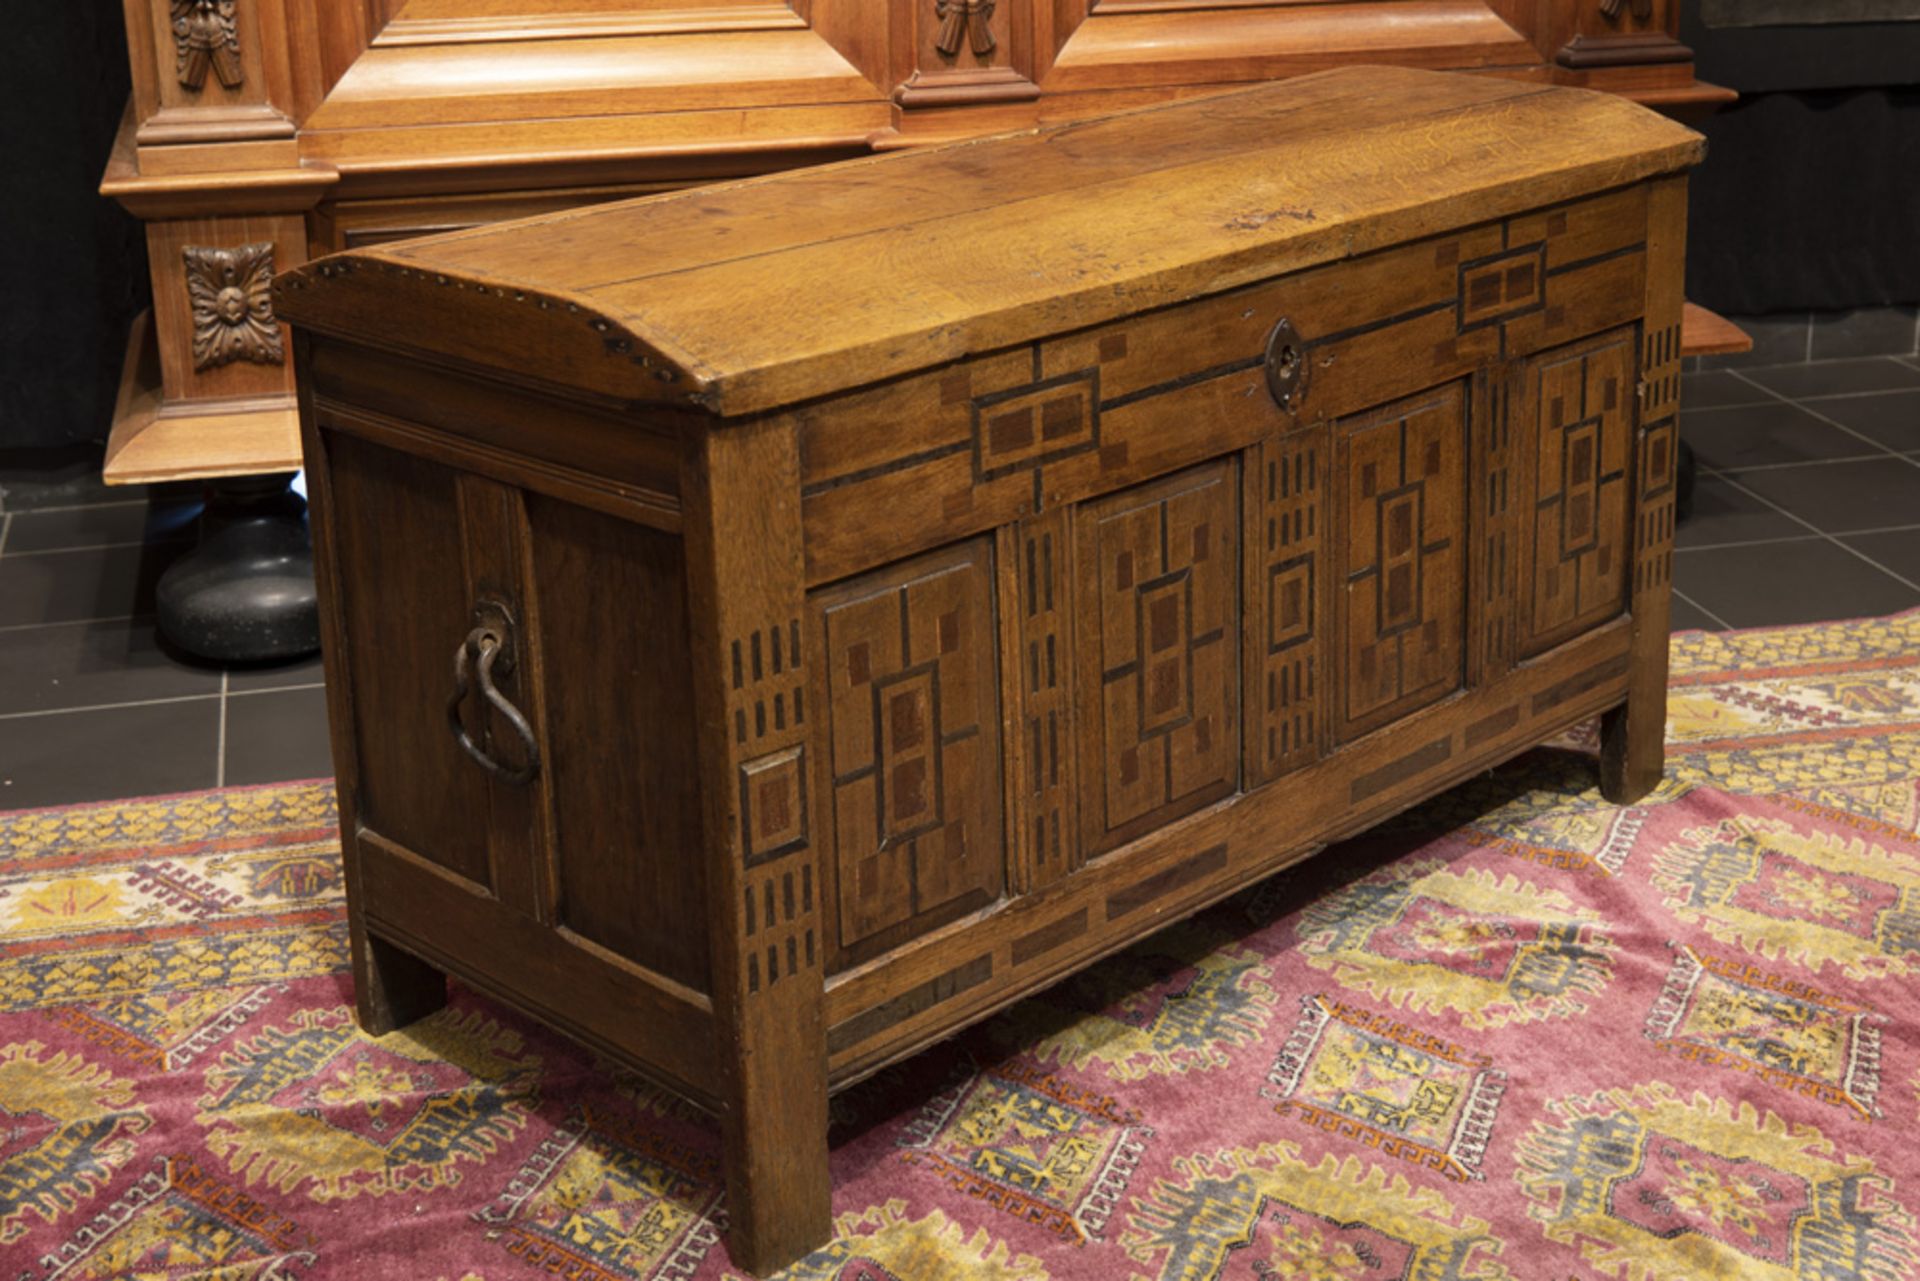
(1518,1033)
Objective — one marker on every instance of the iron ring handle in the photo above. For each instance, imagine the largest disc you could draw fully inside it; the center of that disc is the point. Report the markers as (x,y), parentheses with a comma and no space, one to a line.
(485,646)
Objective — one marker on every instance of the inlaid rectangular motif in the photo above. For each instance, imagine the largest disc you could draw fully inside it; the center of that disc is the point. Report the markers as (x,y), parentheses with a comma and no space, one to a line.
(912,813)
(1023,428)
(1158,570)
(1575,410)
(1402,603)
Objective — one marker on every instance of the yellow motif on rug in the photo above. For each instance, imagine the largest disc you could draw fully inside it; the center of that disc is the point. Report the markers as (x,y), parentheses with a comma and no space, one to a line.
(1495,949)
(1148,1021)
(1815,897)
(606,1197)
(315,1104)
(1396,1089)
(68,1125)
(1264,1212)
(882,1244)
(1653,1187)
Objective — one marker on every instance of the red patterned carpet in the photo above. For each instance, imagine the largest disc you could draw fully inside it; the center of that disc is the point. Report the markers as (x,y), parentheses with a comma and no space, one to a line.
(1518,1034)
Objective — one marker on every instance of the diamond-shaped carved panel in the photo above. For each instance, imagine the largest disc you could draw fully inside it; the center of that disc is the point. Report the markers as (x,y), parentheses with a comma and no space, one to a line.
(1158,573)
(1574,406)
(1402,596)
(912,813)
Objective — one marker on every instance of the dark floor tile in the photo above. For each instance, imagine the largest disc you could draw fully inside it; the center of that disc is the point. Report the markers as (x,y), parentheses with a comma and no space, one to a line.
(1840,498)
(1778,583)
(1776,340)
(1867,331)
(87,664)
(63,528)
(1688,617)
(1898,550)
(1724,513)
(59,477)
(65,758)
(1890,417)
(1716,388)
(64,587)
(1756,435)
(277,738)
(1837,377)
(254,676)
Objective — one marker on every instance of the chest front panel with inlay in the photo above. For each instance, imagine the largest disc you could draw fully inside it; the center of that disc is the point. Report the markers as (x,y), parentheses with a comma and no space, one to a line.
(841,664)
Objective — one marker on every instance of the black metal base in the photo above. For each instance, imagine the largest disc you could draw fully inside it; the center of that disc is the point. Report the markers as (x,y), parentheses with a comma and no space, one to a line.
(245,594)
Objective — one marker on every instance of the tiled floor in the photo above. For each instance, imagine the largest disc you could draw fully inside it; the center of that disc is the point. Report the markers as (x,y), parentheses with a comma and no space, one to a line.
(1808,507)
(92,705)
(1808,500)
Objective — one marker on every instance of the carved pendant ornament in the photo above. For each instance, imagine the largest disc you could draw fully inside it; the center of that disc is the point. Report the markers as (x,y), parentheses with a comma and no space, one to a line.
(231,292)
(1611,9)
(964,18)
(204,35)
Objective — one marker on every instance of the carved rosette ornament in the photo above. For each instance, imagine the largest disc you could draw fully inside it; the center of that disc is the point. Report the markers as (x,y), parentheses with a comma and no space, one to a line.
(1642,9)
(232,295)
(205,35)
(969,18)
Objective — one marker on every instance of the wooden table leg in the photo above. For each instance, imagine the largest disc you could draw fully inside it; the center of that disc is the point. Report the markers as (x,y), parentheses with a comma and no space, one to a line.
(391,988)
(1633,735)
(741,491)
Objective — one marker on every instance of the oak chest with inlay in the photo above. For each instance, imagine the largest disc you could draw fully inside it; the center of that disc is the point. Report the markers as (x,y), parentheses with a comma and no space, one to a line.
(773,625)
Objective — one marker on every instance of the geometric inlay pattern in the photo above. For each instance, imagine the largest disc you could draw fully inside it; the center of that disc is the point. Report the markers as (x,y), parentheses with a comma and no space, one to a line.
(1288,499)
(1159,570)
(1403,603)
(1044,615)
(914,724)
(1577,406)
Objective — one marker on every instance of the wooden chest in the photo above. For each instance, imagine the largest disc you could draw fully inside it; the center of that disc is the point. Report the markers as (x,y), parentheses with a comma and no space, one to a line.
(773,625)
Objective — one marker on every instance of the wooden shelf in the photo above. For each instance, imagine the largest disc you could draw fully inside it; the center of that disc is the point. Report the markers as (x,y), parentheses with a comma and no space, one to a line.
(1706,333)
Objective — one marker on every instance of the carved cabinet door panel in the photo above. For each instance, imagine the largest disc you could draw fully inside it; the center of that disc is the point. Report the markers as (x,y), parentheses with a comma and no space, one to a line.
(1574,407)
(911,792)
(1401,601)
(1158,651)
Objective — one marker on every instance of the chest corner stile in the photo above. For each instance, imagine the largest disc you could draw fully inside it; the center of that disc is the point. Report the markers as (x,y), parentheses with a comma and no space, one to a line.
(759,693)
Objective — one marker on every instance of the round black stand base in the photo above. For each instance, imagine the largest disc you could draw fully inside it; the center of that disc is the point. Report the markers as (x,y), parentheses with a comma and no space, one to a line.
(245,594)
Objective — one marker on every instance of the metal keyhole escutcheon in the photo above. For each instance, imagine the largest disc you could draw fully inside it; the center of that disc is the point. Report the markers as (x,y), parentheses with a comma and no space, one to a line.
(1287,366)
(486,652)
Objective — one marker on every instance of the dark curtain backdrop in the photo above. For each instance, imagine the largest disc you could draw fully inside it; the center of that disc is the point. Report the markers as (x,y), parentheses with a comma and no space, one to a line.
(72,266)
(1810,196)
(1808,201)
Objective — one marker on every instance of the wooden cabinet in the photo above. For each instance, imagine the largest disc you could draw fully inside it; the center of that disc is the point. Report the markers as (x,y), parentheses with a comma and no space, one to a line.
(760,660)
(265,132)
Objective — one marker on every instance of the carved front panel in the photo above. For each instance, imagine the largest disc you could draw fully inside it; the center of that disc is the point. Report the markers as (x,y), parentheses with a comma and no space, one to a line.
(1158,570)
(1577,407)
(913,783)
(1403,597)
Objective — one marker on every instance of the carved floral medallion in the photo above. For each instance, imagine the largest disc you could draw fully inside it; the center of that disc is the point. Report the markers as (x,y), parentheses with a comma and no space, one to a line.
(232,295)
